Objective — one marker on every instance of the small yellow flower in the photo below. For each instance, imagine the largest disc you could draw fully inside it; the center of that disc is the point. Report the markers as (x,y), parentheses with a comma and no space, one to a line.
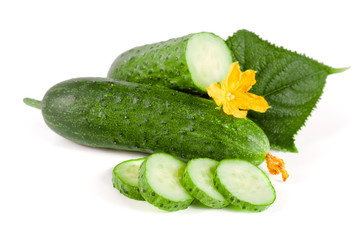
(233,93)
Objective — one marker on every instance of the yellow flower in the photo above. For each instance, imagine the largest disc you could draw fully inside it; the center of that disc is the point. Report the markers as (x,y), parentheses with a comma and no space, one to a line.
(233,93)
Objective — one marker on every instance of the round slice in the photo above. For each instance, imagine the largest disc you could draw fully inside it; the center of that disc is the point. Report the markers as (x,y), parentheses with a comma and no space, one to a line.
(125,178)
(159,182)
(244,185)
(198,180)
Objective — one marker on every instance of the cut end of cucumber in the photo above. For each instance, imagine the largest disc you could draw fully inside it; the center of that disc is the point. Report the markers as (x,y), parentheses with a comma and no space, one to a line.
(246,182)
(208,58)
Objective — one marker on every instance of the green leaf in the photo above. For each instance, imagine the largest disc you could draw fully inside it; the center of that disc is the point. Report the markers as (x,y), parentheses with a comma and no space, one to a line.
(291,83)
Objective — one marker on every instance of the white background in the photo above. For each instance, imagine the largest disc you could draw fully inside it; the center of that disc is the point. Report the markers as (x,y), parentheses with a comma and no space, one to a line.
(51,188)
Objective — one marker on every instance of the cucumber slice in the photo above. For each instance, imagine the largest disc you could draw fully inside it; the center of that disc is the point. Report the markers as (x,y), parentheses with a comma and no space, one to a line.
(159,182)
(198,181)
(125,178)
(244,185)
(189,63)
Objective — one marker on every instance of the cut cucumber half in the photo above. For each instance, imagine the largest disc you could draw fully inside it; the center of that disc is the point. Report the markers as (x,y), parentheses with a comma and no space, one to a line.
(208,59)
(159,182)
(244,185)
(190,63)
(198,181)
(125,178)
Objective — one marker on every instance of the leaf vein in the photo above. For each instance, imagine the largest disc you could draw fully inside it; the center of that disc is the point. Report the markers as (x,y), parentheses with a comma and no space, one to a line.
(294,82)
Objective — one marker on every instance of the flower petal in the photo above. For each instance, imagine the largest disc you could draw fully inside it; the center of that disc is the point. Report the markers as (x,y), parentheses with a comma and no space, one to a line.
(231,81)
(251,101)
(276,165)
(240,114)
(247,80)
(216,93)
(230,109)
(233,94)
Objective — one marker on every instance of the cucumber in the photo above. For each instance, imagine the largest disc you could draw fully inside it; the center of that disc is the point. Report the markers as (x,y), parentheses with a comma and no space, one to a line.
(190,63)
(125,178)
(244,185)
(104,113)
(159,182)
(198,181)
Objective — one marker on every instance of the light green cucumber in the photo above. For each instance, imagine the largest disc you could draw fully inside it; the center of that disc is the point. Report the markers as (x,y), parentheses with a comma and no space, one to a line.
(244,185)
(159,182)
(125,178)
(198,180)
(189,63)
(120,115)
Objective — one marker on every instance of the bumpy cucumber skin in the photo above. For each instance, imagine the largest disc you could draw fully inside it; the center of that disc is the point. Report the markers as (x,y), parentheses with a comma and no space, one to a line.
(162,63)
(100,112)
(157,200)
(236,202)
(199,194)
(126,189)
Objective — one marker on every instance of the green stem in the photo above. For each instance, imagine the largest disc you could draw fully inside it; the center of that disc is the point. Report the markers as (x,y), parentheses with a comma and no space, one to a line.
(32,102)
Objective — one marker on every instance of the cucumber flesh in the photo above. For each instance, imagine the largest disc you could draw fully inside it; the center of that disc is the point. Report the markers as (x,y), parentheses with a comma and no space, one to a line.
(159,182)
(208,59)
(198,181)
(125,178)
(244,185)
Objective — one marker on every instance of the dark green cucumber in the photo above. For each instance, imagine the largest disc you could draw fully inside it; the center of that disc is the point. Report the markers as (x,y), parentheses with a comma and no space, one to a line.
(188,63)
(100,112)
